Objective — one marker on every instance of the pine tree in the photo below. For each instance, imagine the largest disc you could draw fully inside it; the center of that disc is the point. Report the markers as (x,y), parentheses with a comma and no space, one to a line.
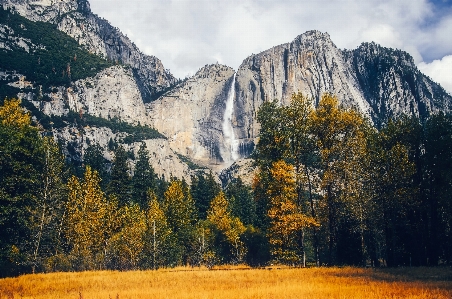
(203,190)
(242,203)
(120,182)
(94,157)
(144,178)
(21,164)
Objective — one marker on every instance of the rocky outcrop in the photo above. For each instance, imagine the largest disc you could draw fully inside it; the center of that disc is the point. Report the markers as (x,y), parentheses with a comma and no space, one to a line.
(242,168)
(75,18)
(392,84)
(166,162)
(112,93)
(379,82)
(191,115)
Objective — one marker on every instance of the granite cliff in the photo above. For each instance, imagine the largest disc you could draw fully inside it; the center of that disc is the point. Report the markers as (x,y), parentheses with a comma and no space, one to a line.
(209,118)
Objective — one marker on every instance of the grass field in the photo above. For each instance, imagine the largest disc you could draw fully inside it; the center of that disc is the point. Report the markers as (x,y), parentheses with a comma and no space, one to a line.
(313,283)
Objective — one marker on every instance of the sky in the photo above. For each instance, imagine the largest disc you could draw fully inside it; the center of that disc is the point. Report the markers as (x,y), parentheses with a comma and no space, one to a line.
(188,34)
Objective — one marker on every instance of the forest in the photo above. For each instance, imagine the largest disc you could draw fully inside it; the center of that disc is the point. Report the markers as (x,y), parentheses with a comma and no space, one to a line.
(330,189)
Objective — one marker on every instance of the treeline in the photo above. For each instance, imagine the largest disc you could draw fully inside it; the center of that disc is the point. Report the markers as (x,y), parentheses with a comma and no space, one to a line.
(330,190)
(112,217)
(333,188)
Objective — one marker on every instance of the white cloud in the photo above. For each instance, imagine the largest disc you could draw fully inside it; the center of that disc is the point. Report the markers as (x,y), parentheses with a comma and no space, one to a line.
(186,34)
(440,71)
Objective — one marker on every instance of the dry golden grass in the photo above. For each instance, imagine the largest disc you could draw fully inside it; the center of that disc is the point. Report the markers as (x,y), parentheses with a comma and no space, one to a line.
(314,283)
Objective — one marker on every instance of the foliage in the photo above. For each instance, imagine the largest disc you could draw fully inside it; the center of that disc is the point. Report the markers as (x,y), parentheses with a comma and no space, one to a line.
(53,58)
(330,190)
(87,223)
(144,178)
(203,188)
(219,215)
(21,165)
(120,181)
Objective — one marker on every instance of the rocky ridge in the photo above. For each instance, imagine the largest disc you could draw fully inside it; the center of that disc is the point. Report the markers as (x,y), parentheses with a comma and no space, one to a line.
(75,18)
(379,82)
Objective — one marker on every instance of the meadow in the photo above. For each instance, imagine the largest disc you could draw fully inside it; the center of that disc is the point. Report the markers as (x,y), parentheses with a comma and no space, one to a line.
(313,283)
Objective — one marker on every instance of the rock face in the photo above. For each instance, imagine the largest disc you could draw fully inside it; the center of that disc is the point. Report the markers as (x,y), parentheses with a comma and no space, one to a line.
(211,117)
(75,18)
(379,82)
(166,162)
(392,85)
(191,116)
(112,93)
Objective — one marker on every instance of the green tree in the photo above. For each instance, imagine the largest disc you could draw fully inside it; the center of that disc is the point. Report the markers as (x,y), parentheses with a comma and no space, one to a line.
(144,178)
(21,163)
(242,203)
(203,189)
(120,181)
(94,157)
(438,178)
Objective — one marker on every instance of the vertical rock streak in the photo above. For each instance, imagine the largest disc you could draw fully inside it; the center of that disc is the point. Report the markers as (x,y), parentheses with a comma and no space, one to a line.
(230,141)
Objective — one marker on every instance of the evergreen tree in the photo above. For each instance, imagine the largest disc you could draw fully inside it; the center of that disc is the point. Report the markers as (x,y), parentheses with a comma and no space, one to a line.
(21,164)
(438,177)
(94,157)
(242,203)
(143,178)
(120,182)
(204,188)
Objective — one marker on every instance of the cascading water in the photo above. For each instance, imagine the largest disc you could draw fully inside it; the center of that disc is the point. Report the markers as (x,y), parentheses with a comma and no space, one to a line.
(230,143)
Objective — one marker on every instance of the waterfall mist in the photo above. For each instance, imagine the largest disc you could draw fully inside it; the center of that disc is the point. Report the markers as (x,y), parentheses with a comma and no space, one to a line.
(230,142)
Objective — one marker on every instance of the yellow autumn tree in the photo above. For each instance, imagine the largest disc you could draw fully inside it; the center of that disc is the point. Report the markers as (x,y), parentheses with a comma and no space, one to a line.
(340,135)
(126,245)
(87,222)
(219,214)
(157,234)
(12,114)
(286,217)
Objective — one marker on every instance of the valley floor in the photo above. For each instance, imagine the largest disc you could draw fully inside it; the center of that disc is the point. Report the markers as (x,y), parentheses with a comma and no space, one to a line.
(312,283)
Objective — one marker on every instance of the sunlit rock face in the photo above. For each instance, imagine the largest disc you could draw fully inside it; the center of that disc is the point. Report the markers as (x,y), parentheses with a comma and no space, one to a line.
(192,115)
(379,82)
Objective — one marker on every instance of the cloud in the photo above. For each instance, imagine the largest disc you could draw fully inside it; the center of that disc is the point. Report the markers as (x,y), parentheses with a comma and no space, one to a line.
(186,35)
(440,71)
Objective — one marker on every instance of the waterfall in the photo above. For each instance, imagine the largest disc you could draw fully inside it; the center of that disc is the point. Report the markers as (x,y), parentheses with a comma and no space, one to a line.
(230,143)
